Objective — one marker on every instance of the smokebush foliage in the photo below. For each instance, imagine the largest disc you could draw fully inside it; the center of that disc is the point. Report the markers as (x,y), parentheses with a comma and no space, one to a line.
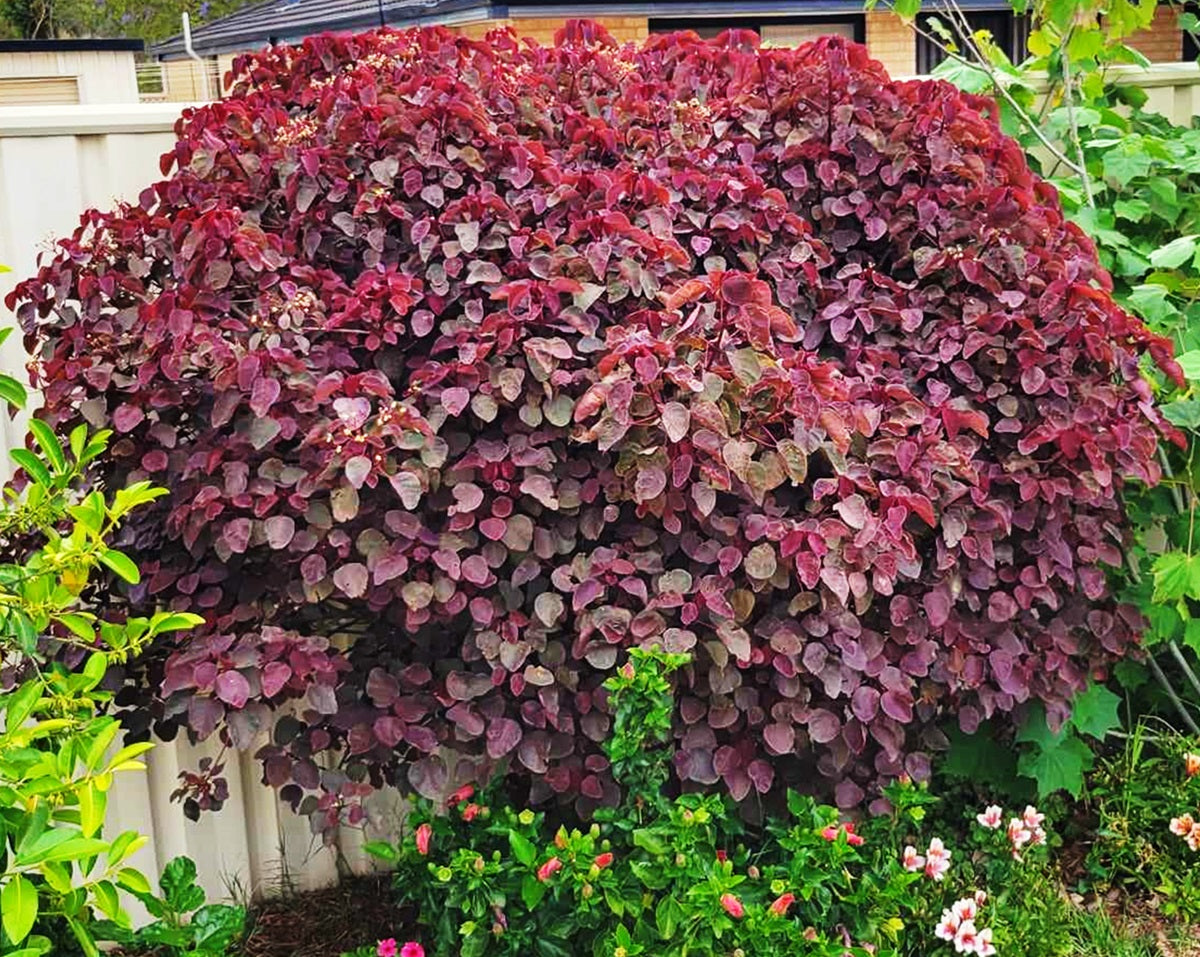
(470,365)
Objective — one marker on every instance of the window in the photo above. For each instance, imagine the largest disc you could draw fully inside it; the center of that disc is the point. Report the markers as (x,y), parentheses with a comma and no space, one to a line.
(1010,33)
(777,31)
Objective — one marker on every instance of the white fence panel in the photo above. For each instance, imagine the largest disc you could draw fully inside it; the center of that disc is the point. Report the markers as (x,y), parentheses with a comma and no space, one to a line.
(55,162)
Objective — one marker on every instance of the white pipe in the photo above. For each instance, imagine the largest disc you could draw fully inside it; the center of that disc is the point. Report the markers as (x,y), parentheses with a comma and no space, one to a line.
(187,37)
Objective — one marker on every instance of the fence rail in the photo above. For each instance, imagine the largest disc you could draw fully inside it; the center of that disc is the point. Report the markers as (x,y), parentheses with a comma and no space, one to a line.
(54,163)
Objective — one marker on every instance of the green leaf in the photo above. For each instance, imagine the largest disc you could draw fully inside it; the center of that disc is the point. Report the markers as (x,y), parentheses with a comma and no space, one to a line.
(46,439)
(382,850)
(1094,712)
(1058,769)
(666,917)
(33,466)
(1055,760)
(906,10)
(18,908)
(1176,576)
(647,841)
(522,849)
(12,392)
(532,891)
(1175,253)
(121,564)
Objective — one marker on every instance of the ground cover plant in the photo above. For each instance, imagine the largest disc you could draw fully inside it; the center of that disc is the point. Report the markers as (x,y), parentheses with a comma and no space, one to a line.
(471,365)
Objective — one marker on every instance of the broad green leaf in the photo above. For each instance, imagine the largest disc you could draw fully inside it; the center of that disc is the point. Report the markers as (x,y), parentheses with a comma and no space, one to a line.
(522,849)
(49,444)
(33,466)
(1175,253)
(121,564)
(12,392)
(18,908)
(1094,712)
(1060,768)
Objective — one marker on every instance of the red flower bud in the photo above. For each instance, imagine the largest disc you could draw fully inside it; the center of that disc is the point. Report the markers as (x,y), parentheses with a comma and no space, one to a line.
(779,907)
(464,793)
(470,812)
(733,906)
(603,860)
(549,869)
(722,856)
(424,836)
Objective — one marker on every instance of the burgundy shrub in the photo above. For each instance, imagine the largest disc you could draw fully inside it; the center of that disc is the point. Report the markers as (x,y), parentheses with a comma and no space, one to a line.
(470,364)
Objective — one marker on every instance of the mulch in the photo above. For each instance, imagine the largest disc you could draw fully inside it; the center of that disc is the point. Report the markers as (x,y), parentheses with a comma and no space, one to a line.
(326,923)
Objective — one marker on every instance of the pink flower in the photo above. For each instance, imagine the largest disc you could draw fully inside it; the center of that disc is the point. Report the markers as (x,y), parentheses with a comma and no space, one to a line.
(549,869)
(854,840)
(733,907)
(983,943)
(386,948)
(412,949)
(470,812)
(966,937)
(965,909)
(936,868)
(1193,839)
(913,861)
(1032,818)
(991,818)
(424,836)
(603,860)
(779,907)
(464,793)
(1191,764)
(947,927)
(981,898)
(937,859)
(1018,836)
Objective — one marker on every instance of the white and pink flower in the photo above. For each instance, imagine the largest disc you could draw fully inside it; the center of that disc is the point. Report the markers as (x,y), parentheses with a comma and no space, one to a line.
(966,937)
(913,861)
(991,818)
(947,927)
(965,909)
(983,943)
(937,860)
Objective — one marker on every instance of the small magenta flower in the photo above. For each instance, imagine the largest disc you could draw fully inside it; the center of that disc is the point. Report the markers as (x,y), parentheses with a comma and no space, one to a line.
(412,949)
(733,907)
(779,906)
(913,861)
(386,948)
(991,818)
(549,869)
(424,837)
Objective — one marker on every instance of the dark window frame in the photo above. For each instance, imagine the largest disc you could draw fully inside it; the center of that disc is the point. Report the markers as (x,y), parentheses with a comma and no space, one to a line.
(1010,33)
(672,24)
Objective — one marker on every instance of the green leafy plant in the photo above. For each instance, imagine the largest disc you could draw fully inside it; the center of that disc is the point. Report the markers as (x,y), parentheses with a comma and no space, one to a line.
(184,923)
(1146,802)
(685,875)
(59,749)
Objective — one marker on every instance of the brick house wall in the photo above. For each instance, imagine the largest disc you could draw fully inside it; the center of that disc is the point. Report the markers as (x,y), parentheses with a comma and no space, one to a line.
(891,41)
(1163,42)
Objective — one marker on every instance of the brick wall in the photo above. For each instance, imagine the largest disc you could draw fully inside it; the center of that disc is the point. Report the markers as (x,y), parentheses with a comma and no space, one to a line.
(892,43)
(1163,42)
